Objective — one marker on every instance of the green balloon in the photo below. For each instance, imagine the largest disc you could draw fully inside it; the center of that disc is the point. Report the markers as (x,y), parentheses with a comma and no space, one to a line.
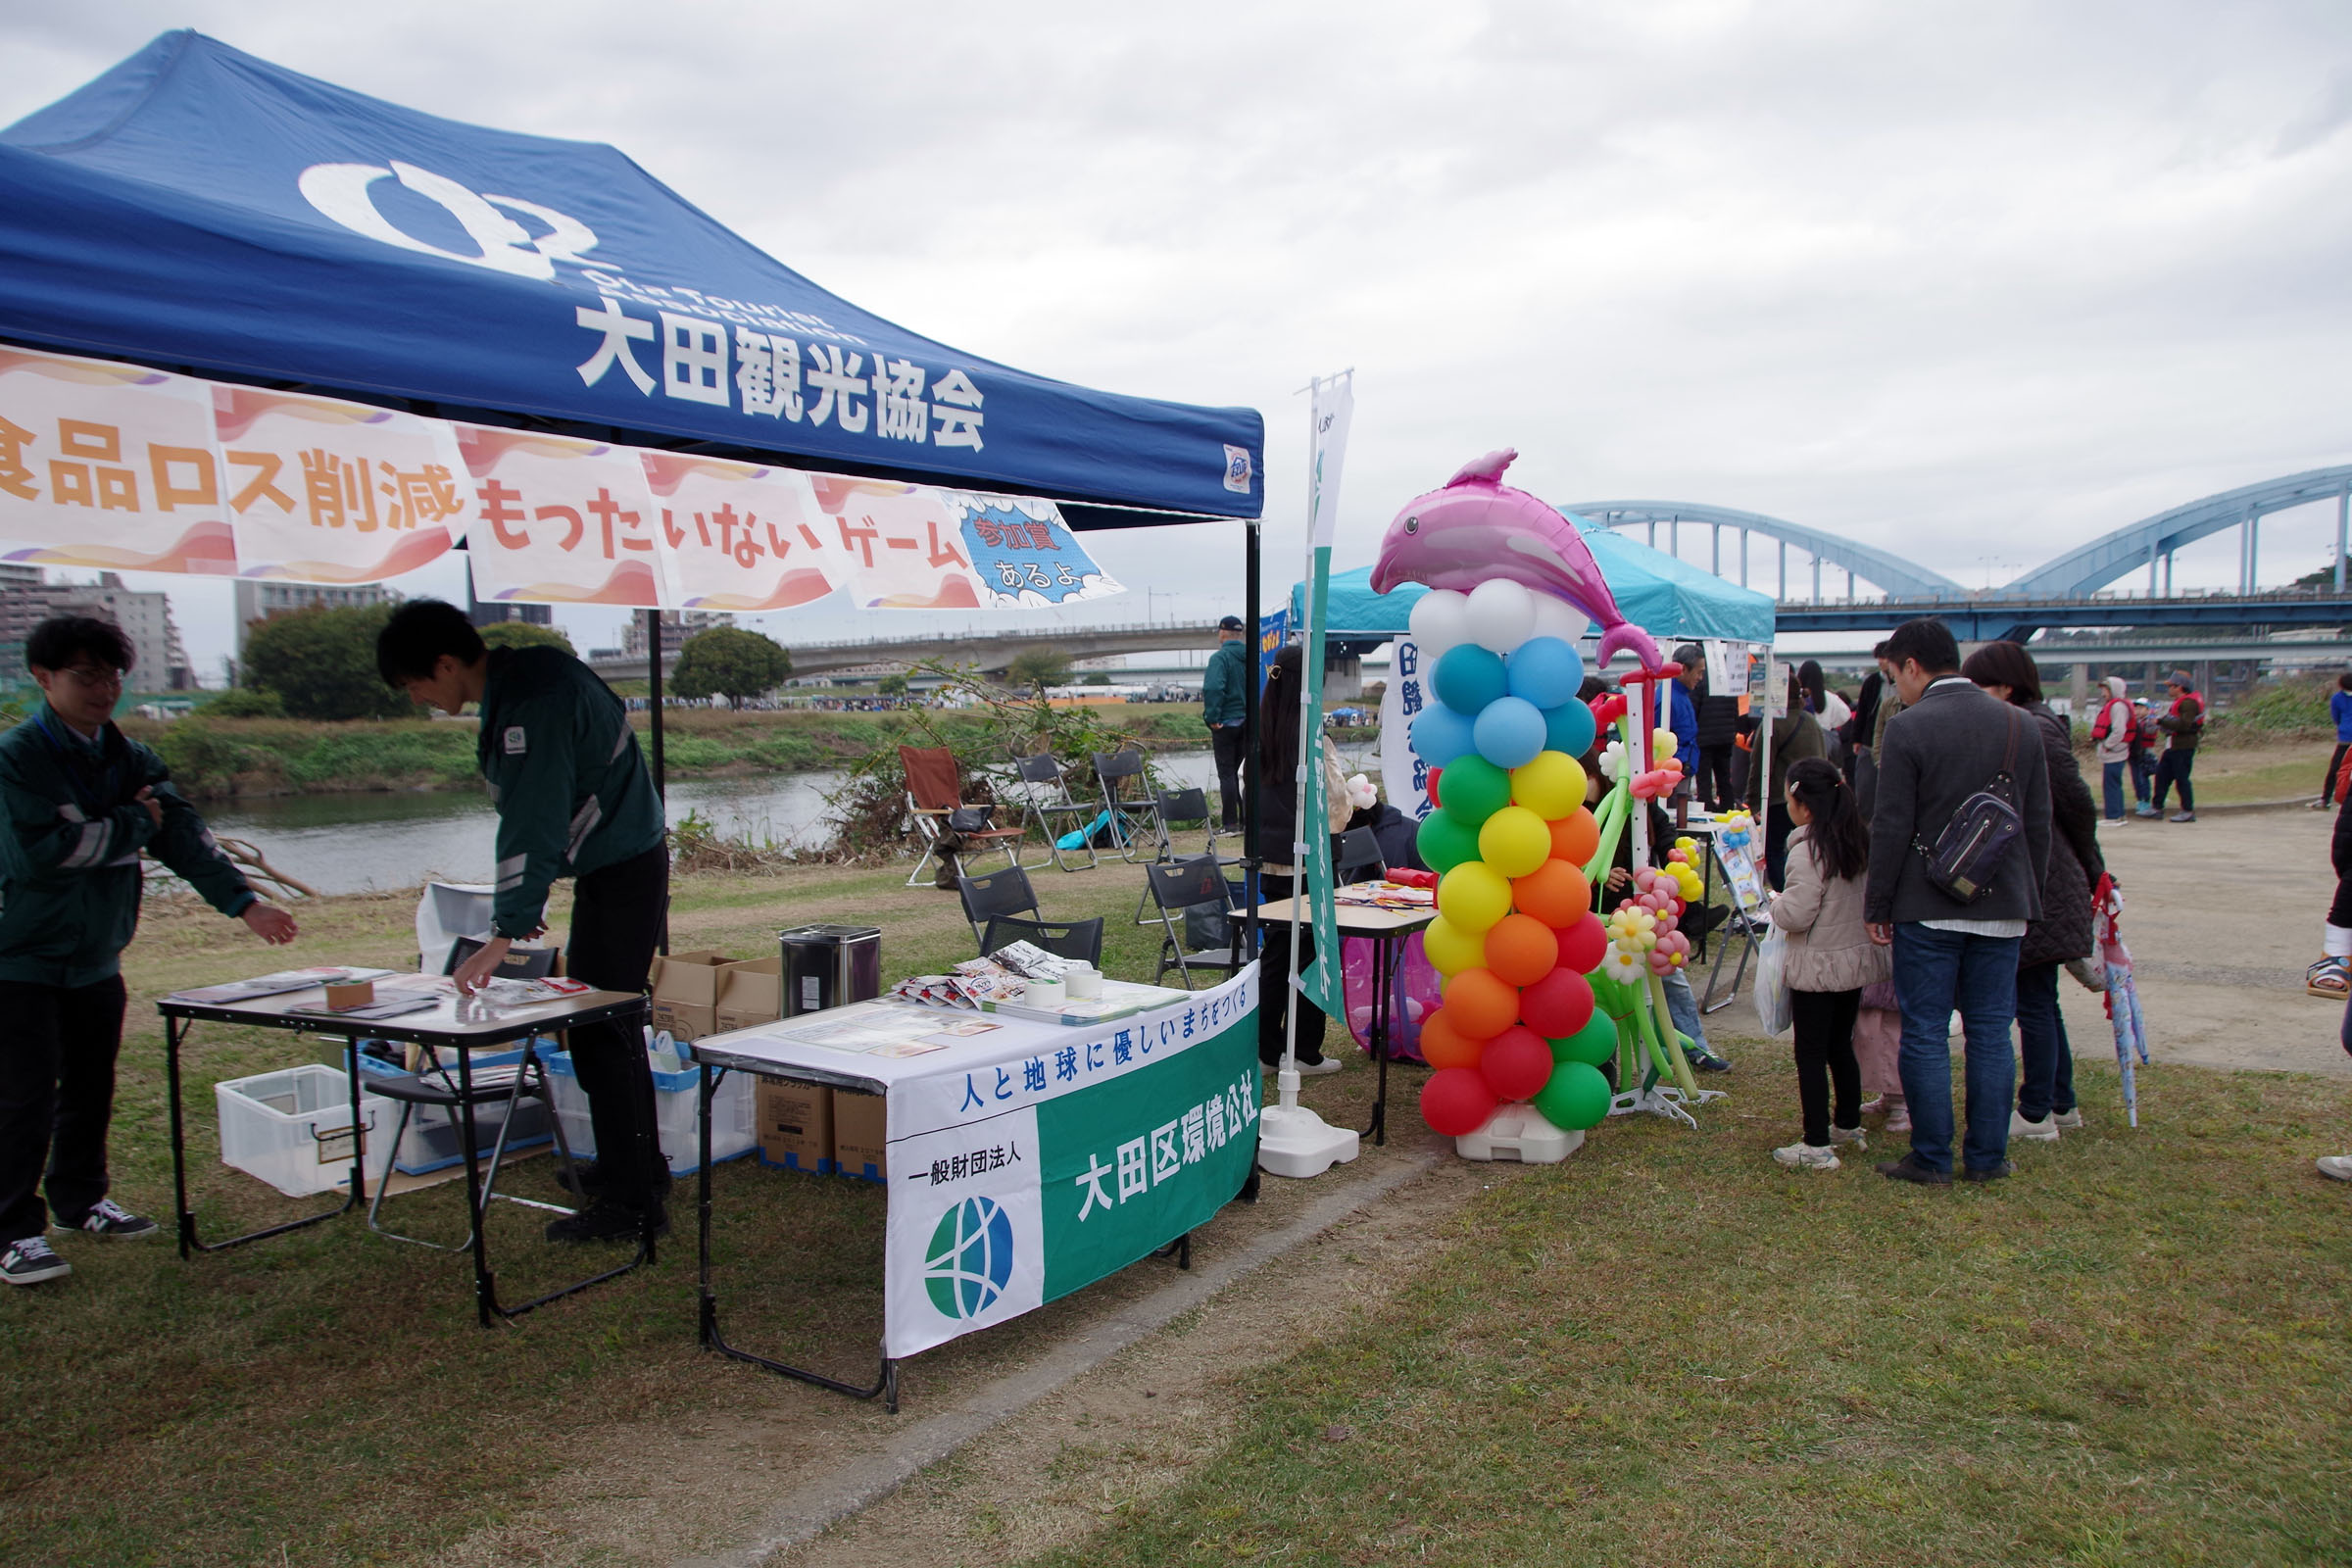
(1614,997)
(1445,840)
(1592,1045)
(1576,1098)
(1473,790)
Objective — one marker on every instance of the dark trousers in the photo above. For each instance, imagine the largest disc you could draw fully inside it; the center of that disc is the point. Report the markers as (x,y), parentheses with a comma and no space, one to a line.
(1713,780)
(2047,1081)
(56,1094)
(1226,742)
(2327,784)
(2143,770)
(2172,769)
(1273,981)
(1777,828)
(1824,1023)
(617,916)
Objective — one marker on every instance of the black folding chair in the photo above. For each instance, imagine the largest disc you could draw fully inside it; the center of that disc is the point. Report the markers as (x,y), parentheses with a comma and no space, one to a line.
(1064,938)
(437,1087)
(1359,850)
(999,892)
(1176,886)
(1132,801)
(1044,786)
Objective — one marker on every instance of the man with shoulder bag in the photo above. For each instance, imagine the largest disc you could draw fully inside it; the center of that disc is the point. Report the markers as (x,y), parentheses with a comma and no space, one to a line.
(1959,845)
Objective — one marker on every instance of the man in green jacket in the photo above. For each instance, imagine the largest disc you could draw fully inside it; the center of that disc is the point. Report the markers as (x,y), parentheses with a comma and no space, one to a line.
(1224,692)
(83,802)
(573,800)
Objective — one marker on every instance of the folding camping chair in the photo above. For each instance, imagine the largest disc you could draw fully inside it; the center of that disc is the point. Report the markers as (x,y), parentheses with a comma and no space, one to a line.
(1046,801)
(997,893)
(1185,806)
(1180,885)
(1132,801)
(1064,938)
(934,805)
(437,1087)
(1359,850)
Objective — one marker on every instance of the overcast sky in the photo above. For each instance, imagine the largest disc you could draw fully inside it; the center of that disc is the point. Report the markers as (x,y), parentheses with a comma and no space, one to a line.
(1973,281)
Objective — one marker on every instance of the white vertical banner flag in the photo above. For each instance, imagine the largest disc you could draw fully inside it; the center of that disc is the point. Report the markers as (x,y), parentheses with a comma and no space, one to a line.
(1332,409)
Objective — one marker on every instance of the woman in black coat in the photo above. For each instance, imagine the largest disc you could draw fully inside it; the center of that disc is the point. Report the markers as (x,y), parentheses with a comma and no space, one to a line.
(2045,1087)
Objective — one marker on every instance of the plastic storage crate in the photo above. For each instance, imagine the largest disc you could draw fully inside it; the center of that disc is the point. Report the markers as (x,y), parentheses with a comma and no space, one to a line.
(292,1128)
(431,1142)
(677,1095)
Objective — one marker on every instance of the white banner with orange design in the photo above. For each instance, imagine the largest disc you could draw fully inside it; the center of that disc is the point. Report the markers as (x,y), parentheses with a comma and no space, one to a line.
(326,491)
(742,538)
(109,466)
(559,520)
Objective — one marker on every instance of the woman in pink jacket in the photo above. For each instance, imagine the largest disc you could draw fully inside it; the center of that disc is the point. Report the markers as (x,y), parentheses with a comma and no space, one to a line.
(1831,956)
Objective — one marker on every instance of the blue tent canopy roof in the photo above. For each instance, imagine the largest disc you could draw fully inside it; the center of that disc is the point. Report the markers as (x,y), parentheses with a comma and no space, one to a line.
(1665,597)
(197,207)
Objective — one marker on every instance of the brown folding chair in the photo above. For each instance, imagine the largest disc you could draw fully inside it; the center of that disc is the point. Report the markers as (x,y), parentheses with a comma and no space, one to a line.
(935,795)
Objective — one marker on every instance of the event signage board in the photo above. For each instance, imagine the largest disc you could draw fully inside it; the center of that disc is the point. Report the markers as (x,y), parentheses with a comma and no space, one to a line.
(1017,1181)
(111,465)
(116,465)
(1403,776)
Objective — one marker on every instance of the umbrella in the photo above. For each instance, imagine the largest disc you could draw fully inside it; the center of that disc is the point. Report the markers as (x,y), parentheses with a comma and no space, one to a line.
(2122,993)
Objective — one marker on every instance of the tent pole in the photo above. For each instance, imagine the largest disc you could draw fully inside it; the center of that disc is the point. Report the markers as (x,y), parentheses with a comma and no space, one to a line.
(652,695)
(1246,933)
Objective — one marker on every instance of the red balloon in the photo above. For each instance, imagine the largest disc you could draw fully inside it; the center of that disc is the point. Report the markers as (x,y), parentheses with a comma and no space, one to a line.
(1432,791)
(1584,945)
(1516,1063)
(1456,1101)
(1443,1045)
(1556,1005)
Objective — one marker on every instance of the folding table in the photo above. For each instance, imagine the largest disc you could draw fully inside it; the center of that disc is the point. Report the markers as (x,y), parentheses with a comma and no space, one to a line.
(460,1025)
(1386,930)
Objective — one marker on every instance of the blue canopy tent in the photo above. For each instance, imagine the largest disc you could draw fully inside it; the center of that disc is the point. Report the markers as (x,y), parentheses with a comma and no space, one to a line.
(1663,596)
(198,209)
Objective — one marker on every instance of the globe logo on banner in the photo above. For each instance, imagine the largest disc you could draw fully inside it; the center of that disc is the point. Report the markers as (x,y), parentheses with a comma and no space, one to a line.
(970,1257)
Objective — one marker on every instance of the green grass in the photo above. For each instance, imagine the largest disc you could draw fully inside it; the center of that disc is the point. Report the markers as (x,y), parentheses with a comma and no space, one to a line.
(1668,1351)
(2226,775)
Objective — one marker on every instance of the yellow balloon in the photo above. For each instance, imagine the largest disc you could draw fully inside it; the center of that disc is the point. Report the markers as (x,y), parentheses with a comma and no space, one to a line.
(1451,949)
(1551,786)
(1514,841)
(1475,895)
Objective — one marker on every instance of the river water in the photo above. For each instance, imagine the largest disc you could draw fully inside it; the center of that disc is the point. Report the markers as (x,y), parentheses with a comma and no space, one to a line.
(355,843)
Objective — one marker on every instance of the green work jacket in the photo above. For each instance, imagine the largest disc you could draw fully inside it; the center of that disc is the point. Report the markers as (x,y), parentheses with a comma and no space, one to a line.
(563,769)
(70,877)
(1224,685)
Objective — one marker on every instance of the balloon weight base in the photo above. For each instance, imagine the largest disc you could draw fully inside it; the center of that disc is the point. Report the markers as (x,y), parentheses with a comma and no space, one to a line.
(1520,1133)
(1663,1100)
(1292,1140)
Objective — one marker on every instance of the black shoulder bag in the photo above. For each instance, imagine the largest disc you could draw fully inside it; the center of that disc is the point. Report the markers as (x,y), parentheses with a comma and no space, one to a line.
(1976,844)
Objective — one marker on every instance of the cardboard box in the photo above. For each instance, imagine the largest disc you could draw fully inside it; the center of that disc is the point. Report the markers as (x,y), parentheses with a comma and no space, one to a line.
(685,992)
(795,1124)
(751,994)
(860,1135)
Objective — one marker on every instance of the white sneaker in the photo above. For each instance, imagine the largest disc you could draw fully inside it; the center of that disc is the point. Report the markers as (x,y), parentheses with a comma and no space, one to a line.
(1806,1156)
(1849,1135)
(1314,1069)
(2337,1166)
(2044,1131)
(2071,1120)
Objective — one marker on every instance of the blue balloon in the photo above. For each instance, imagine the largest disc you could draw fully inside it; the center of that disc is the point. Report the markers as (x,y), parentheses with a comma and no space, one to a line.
(1568,728)
(1468,678)
(1440,735)
(1510,732)
(1545,670)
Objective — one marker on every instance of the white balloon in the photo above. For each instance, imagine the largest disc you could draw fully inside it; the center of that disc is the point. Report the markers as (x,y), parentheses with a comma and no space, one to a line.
(1441,619)
(1502,613)
(1557,617)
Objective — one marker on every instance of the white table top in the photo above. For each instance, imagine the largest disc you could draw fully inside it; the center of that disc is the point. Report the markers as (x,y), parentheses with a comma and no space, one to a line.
(1357,919)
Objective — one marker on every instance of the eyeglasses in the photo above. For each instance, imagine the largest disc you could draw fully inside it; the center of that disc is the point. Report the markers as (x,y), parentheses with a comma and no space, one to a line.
(96,680)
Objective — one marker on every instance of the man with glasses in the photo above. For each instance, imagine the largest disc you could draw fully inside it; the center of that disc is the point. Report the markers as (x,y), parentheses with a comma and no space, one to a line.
(82,803)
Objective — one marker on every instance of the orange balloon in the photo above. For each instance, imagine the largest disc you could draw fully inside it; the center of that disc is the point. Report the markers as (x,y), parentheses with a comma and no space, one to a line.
(1554,893)
(1443,1045)
(1480,1005)
(1521,950)
(1576,837)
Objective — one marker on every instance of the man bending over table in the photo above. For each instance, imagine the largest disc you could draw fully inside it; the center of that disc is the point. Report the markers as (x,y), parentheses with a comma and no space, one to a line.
(83,802)
(573,800)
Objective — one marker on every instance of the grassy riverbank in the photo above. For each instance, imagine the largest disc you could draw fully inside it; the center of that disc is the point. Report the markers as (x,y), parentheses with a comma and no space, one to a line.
(217,757)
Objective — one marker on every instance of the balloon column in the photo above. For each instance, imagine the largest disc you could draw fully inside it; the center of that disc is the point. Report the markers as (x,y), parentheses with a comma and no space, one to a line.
(1511,837)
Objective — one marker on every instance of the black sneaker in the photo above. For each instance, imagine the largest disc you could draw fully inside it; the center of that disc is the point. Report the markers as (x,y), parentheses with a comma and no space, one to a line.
(586,1179)
(109,1218)
(31,1261)
(2004,1168)
(1909,1169)
(607,1221)
(1706,1061)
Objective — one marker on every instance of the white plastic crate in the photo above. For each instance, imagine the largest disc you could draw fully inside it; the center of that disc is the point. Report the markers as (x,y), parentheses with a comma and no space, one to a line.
(677,1095)
(292,1128)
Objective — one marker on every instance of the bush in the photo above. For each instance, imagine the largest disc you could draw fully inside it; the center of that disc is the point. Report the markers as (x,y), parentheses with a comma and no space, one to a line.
(321,663)
(2292,707)
(243,702)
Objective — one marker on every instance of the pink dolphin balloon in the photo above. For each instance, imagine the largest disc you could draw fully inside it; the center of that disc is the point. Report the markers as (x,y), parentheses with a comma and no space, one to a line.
(1478,527)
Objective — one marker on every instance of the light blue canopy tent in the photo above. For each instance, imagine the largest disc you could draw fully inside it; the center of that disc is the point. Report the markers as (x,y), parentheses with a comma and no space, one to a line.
(1670,599)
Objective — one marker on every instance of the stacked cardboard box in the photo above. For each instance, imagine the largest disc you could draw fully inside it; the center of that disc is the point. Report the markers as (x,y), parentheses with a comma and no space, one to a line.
(685,992)
(795,1124)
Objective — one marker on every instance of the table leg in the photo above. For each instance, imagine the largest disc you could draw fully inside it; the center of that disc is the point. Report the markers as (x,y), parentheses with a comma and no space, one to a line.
(485,1287)
(355,1193)
(1377,1131)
